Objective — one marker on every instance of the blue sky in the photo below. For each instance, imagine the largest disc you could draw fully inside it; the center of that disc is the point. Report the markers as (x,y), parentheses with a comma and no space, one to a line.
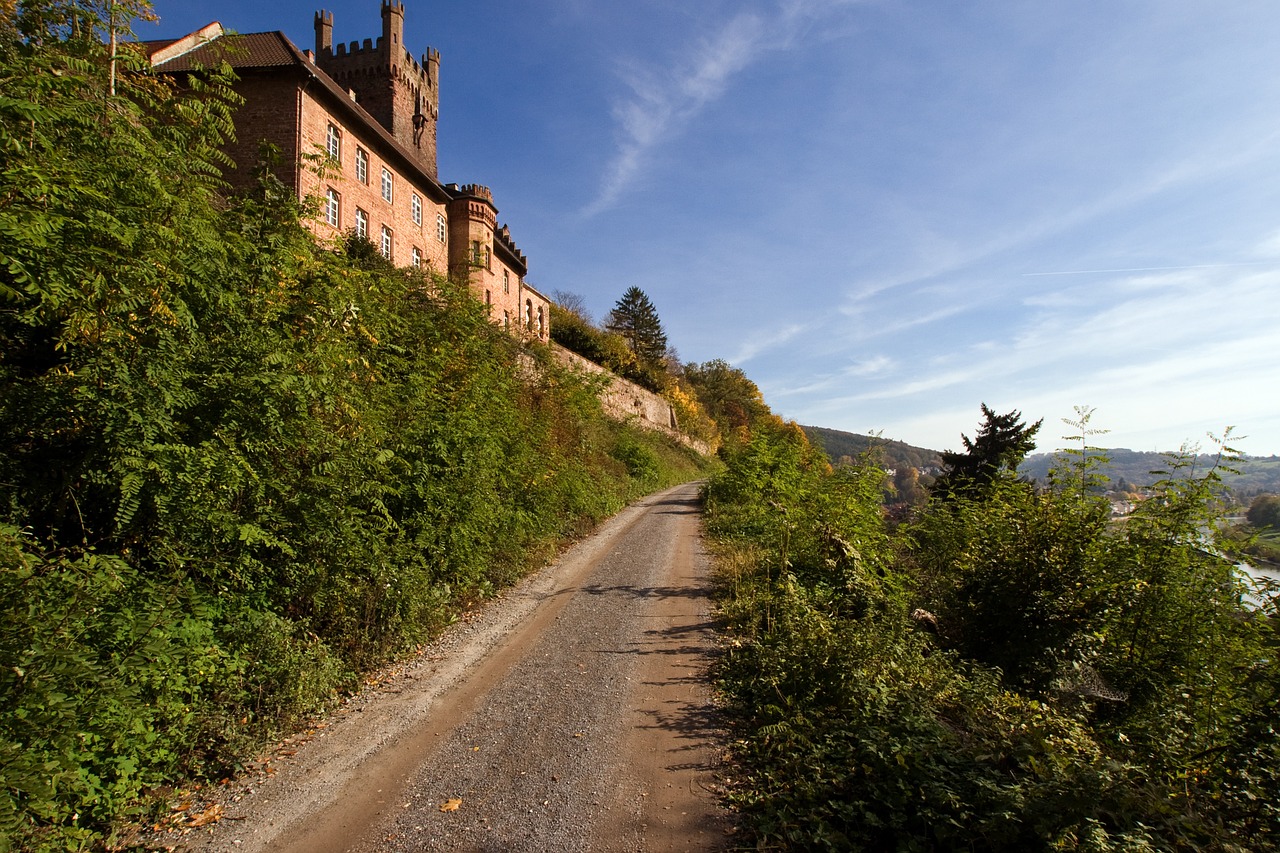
(888,212)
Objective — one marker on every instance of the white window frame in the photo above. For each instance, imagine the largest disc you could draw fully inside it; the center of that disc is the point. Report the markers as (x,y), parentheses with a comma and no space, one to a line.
(442,228)
(417,257)
(415,208)
(362,223)
(333,143)
(362,165)
(333,208)
(388,186)
(506,281)
(386,244)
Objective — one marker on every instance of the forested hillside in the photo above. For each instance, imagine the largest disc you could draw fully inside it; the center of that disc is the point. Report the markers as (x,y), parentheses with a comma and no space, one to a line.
(240,468)
(839,445)
(1258,474)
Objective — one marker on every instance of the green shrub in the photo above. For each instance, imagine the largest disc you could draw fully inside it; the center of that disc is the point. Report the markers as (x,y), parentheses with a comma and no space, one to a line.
(102,672)
(1072,686)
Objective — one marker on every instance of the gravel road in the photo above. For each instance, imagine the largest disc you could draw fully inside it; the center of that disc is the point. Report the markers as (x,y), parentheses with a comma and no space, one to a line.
(572,714)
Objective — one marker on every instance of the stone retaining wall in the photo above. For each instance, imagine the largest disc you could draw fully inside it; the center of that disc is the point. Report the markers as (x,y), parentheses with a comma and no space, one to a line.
(626,401)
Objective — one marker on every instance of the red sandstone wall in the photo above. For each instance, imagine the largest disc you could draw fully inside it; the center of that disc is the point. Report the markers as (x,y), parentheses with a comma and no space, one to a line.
(266,115)
(396,215)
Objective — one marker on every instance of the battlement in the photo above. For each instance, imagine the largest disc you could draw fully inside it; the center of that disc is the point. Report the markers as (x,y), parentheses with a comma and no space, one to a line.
(477,190)
(401,92)
(502,237)
(355,49)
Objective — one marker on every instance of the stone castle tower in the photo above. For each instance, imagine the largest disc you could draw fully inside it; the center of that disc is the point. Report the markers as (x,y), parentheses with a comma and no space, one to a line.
(401,92)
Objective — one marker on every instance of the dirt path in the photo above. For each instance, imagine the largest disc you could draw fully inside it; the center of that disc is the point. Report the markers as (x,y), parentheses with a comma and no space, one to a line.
(572,714)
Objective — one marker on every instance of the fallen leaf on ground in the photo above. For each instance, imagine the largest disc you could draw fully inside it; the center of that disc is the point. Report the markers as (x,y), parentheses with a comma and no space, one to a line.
(451,805)
(213,814)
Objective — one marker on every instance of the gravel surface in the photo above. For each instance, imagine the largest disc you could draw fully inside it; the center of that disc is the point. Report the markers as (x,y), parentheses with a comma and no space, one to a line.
(571,714)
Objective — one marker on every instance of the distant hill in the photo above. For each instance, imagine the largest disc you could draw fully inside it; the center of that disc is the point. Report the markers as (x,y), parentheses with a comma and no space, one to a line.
(1258,473)
(897,454)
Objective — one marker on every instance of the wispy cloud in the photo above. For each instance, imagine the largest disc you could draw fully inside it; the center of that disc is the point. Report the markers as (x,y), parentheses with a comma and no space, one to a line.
(942,256)
(875,366)
(758,344)
(1159,349)
(1151,269)
(659,106)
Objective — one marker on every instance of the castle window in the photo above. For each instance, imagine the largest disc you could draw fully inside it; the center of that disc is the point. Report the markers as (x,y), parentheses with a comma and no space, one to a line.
(417,257)
(475,252)
(415,205)
(506,281)
(333,143)
(362,166)
(386,184)
(506,319)
(333,208)
(442,228)
(488,301)
(362,224)
(386,242)
(542,328)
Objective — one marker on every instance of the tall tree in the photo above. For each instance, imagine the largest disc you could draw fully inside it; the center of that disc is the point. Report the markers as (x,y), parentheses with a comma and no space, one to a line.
(636,320)
(732,400)
(1264,511)
(1003,441)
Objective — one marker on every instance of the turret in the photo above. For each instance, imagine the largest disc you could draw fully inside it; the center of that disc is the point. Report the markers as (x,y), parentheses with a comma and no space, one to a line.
(324,32)
(402,93)
(392,28)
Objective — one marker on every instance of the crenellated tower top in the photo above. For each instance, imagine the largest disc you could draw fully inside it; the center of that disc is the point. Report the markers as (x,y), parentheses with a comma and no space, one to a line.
(401,92)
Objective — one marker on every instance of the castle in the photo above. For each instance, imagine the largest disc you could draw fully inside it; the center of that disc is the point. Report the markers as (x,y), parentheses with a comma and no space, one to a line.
(366,113)
(355,125)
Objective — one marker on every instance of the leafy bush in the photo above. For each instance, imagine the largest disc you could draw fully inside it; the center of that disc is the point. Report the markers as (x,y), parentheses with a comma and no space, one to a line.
(1070,686)
(101,671)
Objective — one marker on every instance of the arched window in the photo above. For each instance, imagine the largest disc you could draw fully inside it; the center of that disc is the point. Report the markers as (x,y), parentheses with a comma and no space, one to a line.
(333,208)
(542,329)
(333,144)
(528,314)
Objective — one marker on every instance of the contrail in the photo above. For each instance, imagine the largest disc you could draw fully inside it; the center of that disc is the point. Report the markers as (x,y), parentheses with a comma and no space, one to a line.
(1154,269)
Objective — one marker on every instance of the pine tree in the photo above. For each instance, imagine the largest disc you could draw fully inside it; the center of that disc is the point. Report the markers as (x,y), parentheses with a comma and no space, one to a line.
(1003,441)
(636,320)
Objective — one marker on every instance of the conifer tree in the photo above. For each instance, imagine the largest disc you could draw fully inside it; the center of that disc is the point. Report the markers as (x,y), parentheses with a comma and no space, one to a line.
(636,320)
(1003,441)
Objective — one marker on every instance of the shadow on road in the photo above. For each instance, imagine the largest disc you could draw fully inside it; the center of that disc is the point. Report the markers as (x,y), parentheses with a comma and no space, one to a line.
(678,506)
(660,593)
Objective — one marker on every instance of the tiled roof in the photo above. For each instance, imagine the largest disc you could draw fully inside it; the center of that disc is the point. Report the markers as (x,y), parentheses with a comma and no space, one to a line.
(274,50)
(251,50)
